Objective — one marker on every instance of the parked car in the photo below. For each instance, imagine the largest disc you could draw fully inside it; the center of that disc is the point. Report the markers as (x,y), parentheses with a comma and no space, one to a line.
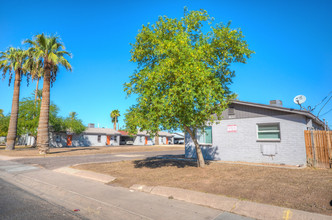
(180,141)
(129,142)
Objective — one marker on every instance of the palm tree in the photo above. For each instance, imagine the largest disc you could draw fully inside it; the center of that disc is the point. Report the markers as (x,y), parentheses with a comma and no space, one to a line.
(35,68)
(72,115)
(114,115)
(50,51)
(11,61)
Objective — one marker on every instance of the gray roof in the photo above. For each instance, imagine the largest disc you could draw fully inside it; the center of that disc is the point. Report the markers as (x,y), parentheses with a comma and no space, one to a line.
(106,131)
(282,109)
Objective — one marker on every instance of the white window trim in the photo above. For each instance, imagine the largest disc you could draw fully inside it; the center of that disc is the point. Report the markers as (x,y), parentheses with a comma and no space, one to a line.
(268,140)
(205,144)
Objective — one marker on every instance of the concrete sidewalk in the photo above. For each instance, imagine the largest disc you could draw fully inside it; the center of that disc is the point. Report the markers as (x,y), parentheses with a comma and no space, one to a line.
(95,200)
(240,207)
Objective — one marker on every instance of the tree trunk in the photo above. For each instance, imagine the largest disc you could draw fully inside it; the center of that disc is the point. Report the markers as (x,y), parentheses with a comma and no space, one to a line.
(36,91)
(43,126)
(12,129)
(114,125)
(200,158)
(156,139)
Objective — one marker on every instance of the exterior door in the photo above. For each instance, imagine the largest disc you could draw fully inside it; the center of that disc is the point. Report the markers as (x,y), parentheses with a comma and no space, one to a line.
(108,139)
(146,140)
(69,140)
(166,140)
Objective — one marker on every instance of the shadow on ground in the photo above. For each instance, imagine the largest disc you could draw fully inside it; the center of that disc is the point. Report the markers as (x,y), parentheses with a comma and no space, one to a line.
(166,161)
(72,150)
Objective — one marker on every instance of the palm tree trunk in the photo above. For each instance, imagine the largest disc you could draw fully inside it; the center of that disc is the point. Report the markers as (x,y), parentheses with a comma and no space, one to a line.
(200,158)
(12,129)
(43,126)
(36,91)
(114,125)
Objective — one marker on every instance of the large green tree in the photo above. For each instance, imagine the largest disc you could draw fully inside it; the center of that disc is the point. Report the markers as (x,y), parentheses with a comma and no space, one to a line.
(115,114)
(183,73)
(12,62)
(50,52)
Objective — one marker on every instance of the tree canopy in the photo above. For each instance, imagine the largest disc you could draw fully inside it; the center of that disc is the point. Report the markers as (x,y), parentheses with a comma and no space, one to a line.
(183,73)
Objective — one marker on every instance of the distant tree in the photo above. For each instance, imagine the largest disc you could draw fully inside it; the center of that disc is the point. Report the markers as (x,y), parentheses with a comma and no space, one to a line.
(74,124)
(37,94)
(183,74)
(29,117)
(13,61)
(4,124)
(50,51)
(114,115)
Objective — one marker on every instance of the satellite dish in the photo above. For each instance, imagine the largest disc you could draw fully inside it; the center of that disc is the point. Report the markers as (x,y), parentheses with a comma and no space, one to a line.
(299,99)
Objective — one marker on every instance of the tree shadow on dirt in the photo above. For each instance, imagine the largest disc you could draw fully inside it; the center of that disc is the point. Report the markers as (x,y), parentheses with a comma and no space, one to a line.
(173,161)
(72,150)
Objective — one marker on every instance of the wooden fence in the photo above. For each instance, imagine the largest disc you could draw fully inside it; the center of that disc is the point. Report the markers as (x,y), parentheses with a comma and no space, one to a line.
(319,148)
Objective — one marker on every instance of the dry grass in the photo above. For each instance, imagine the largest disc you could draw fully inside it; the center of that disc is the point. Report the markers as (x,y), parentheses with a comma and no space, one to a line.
(22,151)
(305,189)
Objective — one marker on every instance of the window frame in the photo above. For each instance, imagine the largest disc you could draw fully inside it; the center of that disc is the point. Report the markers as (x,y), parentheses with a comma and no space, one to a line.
(204,137)
(268,131)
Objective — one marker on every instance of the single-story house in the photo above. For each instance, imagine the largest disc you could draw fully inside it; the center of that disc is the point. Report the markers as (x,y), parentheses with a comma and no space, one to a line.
(143,138)
(178,138)
(257,133)
(90,137)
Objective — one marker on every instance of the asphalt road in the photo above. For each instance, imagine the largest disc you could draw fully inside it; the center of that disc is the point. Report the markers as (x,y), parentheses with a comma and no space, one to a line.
(63,161)
(16,203)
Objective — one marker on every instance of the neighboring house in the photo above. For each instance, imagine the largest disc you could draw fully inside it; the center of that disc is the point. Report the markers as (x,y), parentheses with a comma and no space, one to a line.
(143,138)
(257,133)
(90,137)
(178,138)
(165,138)
(2,140)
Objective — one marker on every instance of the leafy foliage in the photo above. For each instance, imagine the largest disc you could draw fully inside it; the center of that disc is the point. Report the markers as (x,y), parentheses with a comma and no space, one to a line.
(13,59)
(29,117)
(4,124)
(47,52)
(73,124)
(183,75)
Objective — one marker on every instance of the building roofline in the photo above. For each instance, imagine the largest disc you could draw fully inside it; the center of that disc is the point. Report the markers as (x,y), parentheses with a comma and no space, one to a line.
(282,109)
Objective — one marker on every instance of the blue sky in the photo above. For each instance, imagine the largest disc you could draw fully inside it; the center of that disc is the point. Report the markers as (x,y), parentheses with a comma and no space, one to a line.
(292,41)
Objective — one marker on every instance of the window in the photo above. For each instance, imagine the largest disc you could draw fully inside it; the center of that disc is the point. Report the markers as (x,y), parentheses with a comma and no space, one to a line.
(268,132)
(231,111)
(205,136)
(99,138)
(140,139)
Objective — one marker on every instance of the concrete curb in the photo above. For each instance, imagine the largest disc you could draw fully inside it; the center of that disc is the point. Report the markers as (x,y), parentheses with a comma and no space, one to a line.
(236,206)
(86,174)
(9,158)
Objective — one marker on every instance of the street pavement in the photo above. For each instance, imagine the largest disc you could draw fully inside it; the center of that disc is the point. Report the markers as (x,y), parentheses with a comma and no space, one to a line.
(93,199)
(57,162)
(16,203)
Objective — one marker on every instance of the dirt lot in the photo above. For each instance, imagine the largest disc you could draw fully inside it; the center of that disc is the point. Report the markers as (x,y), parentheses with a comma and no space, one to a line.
(306,189)
(22,151)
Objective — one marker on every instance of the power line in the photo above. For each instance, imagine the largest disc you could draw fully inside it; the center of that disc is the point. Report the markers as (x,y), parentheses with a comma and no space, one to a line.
(324,106)
(321,101)
(326,112)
